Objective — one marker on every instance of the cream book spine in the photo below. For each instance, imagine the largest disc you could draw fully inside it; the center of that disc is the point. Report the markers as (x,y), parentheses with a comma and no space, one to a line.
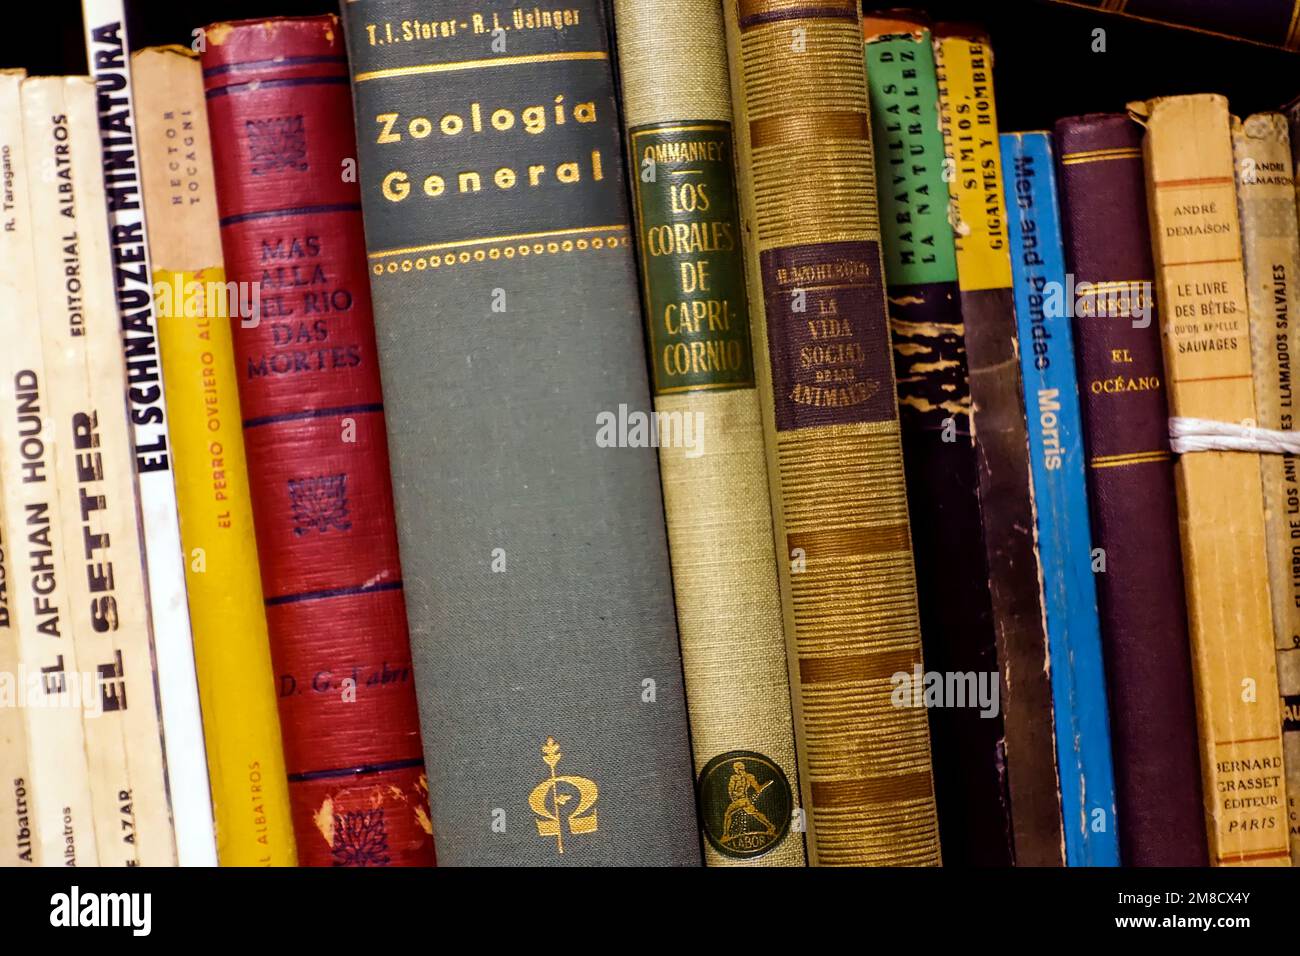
(1271,249)
(58,692)
(93,472)
(16,813)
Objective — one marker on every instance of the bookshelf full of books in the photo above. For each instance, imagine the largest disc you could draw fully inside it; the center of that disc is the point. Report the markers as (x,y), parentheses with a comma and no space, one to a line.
(614,433)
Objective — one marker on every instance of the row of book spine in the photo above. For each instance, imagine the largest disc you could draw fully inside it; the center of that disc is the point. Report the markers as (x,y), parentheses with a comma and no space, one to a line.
(783,237)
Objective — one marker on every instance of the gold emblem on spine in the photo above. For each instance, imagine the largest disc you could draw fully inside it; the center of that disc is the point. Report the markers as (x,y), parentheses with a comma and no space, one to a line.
(550,798)
(739,788)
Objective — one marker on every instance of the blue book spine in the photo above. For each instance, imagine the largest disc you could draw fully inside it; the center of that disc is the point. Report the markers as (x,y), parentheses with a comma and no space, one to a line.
(1064,544)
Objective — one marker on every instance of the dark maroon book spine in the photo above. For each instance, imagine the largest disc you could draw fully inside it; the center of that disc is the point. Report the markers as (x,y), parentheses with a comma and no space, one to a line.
(1131,492)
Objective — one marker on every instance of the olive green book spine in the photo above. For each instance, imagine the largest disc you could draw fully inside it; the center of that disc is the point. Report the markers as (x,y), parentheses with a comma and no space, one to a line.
(824,368)
(677,111)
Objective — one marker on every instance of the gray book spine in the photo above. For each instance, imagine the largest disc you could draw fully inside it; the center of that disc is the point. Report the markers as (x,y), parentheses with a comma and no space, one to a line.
(532,537)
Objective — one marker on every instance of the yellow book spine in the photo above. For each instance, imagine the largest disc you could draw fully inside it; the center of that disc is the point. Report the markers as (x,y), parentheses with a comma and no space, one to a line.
(1271,247)
(1196,240)
(241,724)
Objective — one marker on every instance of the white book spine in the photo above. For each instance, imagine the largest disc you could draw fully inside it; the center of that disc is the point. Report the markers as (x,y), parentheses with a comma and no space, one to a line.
(108,56)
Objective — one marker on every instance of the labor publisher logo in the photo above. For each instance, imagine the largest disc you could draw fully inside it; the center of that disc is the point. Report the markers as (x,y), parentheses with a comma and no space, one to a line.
(745,804)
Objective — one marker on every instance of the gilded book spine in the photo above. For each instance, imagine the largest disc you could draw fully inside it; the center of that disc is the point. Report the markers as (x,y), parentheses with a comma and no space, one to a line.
(970,126)
(835,466)
(250,793)
(91,468)
(108,57)
(1271,250)
(1196,242)
(678,114)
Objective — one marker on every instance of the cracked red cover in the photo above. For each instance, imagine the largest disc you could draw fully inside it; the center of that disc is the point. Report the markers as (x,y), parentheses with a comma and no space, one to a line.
(279,107)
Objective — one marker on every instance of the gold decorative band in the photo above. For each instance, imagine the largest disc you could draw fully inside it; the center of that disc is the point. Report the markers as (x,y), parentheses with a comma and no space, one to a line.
(1134,458)
(850,542)
(755,12)
(479,64)
(857,667)
(1198,181)
(1100,155)
(801,129)
(855,793)
(495,248)
(433,247)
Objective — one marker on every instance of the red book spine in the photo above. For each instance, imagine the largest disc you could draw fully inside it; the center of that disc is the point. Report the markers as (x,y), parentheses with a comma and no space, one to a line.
(280,112)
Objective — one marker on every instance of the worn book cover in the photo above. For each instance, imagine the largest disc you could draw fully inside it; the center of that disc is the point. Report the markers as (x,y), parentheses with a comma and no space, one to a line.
(193,306)
(1132,508)
(46,765)
(500,254)
(1196,244)
(677,110)
(313,417)
(978,213)
(939,458)
(108,57)
(1046,352)
(107,604)
(1271,253)
(835,465)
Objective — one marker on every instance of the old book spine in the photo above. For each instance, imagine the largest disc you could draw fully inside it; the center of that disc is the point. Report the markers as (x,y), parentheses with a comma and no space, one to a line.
(1060,502)
(939,460)
(1196,244)
(51,782)
(17,815)
(677,109)
(505,289)
(313,416)
(107,611)
(1271,253)
(970,129)
(835,464)
(1133,512)
(107,53)
(1272,22)
(241,725)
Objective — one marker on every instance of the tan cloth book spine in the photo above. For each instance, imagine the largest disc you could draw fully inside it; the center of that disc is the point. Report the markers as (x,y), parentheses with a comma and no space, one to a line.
(825,374)
(677,109)
(1271,250)
(1196,242)
(108,611)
